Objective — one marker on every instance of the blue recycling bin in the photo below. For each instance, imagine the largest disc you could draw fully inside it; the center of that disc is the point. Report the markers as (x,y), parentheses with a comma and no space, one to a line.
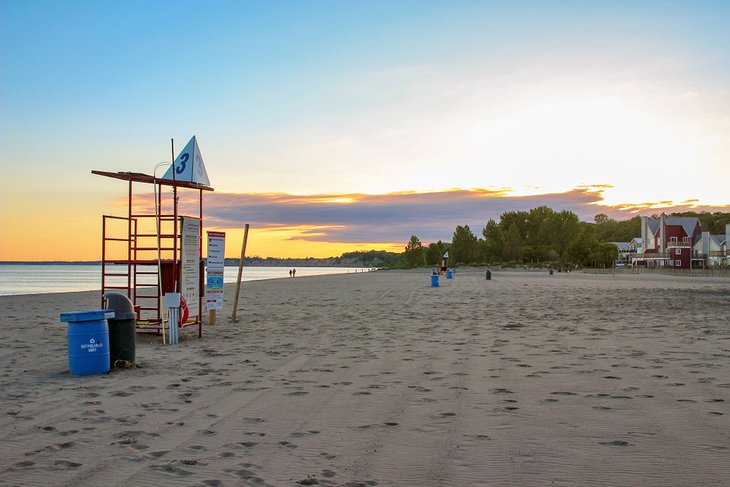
(449,274)
(434,280)
(88,341)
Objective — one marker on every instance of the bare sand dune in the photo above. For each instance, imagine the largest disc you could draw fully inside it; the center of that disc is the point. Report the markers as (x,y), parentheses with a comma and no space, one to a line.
(379,379)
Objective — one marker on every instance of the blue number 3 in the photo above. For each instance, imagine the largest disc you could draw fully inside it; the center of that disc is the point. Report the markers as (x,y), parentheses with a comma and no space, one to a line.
(183,159)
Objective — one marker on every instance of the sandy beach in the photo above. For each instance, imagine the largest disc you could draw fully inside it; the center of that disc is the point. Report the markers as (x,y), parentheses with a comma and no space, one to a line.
(379,379)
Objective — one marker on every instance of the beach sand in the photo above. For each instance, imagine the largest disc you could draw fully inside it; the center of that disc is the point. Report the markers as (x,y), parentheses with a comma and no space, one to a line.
(379,379)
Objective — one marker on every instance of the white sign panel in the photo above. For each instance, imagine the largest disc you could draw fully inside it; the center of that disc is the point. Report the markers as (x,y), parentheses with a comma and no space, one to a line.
(190,272)
(216,263)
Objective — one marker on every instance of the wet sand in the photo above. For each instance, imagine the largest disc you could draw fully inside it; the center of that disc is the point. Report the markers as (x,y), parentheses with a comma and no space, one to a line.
(379,379)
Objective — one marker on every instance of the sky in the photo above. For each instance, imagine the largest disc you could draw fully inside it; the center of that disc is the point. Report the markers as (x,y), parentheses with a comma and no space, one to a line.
(334,126)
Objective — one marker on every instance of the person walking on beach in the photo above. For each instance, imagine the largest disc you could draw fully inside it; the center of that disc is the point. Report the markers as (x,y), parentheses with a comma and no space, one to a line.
(289,272)
(294,273)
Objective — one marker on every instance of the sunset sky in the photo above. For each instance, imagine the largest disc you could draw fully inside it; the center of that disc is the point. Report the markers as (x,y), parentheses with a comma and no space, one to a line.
(333,126)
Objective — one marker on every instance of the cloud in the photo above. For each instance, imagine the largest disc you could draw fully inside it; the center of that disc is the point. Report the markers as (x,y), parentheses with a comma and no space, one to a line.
(392,218)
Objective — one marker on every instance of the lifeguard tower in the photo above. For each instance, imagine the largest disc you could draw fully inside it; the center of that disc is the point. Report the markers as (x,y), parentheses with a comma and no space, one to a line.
(155,249)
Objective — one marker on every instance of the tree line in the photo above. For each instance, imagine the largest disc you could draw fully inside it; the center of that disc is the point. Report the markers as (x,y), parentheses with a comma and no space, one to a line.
(541,236)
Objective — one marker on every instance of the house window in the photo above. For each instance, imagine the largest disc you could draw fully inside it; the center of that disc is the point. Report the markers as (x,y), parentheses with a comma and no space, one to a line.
(679,251)
(677,263)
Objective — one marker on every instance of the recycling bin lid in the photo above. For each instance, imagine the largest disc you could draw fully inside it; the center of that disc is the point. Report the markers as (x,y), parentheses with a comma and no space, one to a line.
(122,306)
(89,315)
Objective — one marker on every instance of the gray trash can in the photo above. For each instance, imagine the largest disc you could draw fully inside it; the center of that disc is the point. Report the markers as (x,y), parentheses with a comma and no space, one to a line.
(122,329)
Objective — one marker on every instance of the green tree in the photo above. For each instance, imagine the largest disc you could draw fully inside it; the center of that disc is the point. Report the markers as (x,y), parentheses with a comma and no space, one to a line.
(493,243)
(464,246)
(513,244)
(414,254)
(434,251)
(567,227)
(540,234)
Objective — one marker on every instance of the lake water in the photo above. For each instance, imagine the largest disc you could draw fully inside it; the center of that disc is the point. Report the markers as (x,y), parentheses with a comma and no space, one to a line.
(57,278)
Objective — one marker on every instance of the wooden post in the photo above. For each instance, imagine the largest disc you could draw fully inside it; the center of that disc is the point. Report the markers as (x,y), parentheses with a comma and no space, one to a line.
(240,272)
(211,317)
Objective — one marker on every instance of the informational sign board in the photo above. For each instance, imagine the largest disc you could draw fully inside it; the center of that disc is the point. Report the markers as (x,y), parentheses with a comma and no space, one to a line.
(190,271)
(216,262)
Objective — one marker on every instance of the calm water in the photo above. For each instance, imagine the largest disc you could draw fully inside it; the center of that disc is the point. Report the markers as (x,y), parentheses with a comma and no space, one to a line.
(55,278)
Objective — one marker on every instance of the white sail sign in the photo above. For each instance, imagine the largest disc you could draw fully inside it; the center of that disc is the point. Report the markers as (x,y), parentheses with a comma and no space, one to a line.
(189,165)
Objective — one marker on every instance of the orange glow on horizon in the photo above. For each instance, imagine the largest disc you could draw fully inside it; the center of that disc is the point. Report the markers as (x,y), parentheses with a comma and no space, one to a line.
(280,242)
(63,227)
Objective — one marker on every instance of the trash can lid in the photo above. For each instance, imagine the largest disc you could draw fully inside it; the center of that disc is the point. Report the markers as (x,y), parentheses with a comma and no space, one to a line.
(90,315)
(122,306)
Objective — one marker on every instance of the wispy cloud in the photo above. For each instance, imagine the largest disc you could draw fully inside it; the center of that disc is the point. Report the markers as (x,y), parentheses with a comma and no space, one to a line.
(391,218)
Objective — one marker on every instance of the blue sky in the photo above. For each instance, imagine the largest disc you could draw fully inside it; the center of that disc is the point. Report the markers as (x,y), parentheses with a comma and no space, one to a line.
(369,98)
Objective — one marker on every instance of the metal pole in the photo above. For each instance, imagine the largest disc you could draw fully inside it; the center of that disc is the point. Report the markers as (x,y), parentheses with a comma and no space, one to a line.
(202,275)
(240,271)
(174,218)
(158,210)
(129,243)
(103,257)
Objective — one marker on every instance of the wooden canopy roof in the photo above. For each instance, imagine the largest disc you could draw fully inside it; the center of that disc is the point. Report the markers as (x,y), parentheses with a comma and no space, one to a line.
(138,177)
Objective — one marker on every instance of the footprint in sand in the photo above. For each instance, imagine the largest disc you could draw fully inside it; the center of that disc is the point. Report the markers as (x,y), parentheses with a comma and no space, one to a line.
(243,474)
(615,443)
(444,415)
(300,434)
(172,469)
(158,454)
(121,394)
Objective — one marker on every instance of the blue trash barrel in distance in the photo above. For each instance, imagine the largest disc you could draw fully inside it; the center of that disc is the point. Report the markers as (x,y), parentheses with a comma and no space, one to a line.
(434,280)
(449,274)
(88,341)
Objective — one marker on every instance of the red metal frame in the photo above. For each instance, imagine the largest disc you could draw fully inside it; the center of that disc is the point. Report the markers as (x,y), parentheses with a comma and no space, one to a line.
(138,261)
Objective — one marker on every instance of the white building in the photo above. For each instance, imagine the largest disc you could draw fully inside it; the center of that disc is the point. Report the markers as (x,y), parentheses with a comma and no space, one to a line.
(712,249)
